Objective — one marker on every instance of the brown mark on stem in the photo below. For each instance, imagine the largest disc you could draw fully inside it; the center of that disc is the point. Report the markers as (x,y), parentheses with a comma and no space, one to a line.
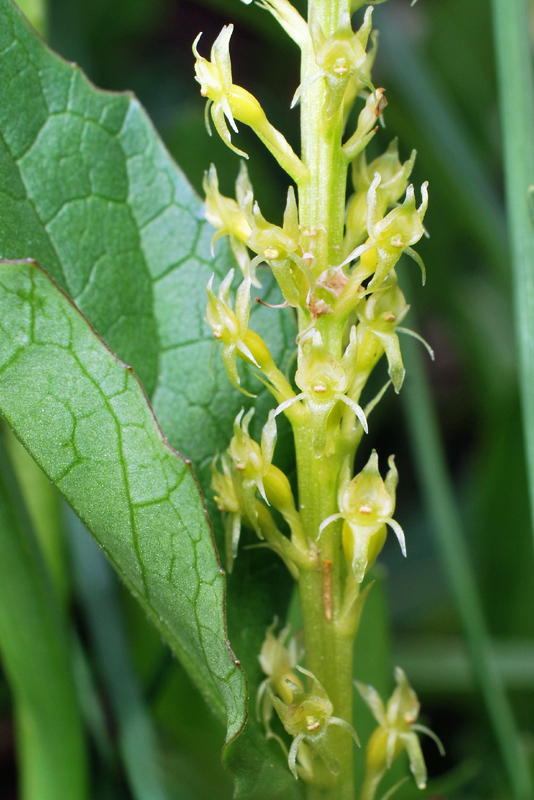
(327,589)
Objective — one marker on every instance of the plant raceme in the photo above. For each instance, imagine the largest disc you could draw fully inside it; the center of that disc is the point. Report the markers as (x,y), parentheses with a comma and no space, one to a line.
(335,264)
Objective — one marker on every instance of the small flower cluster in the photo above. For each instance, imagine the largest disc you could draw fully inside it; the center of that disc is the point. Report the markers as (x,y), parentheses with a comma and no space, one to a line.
(249,477)
(306,714)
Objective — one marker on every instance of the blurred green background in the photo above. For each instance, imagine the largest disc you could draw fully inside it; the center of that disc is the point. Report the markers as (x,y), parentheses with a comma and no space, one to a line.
(436,62)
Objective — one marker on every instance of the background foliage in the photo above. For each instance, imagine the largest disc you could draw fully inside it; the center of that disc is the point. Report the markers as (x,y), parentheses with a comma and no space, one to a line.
(436,61)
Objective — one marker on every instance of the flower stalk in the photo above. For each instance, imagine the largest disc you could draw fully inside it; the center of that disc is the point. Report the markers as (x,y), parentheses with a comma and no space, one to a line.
(335,266)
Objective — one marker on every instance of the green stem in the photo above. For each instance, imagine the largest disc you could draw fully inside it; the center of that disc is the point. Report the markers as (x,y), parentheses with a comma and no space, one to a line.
(321,209)
(322,197)
(328,648)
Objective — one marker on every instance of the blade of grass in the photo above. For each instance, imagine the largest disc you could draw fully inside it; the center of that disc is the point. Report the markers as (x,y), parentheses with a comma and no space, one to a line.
(511,24)
(35,654)
(42,501)
(443,665)
(97,589)
(447,526)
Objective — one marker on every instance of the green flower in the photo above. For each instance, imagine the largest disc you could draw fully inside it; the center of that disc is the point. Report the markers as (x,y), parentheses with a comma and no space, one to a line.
(229,499)
(339,57)
(227,218)
(323,382)
(278,662)
(394,180)
(380,316)
(215,78)
(231,328)
(390,236)
(397,731)
(366,505)
(280,248)
(228,102)
(307,718)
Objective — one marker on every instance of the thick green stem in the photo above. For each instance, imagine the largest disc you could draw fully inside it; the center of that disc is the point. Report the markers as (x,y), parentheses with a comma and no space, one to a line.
(322,197)
(321,210)
(328,649)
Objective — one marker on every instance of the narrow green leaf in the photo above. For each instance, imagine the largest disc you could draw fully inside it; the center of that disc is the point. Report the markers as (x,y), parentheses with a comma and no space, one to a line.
(97,590)
(447,526)
(43,504)
(85,419)
(511,22)
(35,655)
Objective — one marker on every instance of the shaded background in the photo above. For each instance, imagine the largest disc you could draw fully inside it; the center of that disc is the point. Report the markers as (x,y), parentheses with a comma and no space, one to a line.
(436,63)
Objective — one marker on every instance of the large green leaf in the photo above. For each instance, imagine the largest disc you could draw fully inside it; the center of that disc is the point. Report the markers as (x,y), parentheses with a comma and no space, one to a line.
(89,191)
(85,419)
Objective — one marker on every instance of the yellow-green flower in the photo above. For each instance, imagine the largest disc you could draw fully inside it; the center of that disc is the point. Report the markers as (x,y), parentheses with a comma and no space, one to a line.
(397,731)
(366,505)
(339,57)
(231,327)
(394,180)
(323,382)
(307,718)
(228,102)
(215,78)
(229,499)
(390,236)
(280,248)
(227,218)
(278,662)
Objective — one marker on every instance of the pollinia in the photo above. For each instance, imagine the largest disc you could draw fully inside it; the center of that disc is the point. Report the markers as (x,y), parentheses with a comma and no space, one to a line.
(335,265)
